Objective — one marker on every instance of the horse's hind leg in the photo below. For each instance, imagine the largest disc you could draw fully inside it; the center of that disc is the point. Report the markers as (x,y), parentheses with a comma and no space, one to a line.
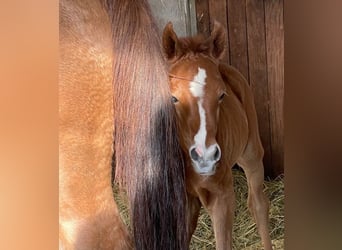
(258,203)
(88,216)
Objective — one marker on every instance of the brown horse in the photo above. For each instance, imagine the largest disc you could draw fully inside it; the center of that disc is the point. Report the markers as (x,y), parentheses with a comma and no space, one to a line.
(218,127)
(114,88)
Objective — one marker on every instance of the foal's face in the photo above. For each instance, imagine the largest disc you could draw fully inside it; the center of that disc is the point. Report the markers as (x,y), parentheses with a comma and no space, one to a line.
(197,92)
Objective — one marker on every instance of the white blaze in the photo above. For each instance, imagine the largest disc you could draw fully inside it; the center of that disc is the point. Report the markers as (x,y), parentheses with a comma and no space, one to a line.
(197,90)
(197,84)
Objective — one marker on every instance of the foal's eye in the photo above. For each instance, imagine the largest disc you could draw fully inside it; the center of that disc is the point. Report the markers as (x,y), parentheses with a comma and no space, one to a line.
(174,99)
(221,97)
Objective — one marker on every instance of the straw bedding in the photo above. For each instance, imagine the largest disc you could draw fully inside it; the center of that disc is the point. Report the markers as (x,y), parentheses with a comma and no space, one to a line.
(245,234)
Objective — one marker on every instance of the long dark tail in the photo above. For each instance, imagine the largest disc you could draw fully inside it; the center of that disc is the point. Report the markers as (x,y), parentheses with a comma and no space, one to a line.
(149,162)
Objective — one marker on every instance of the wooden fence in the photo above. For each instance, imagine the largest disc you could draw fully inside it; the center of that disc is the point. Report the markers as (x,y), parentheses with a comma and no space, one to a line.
(256,48)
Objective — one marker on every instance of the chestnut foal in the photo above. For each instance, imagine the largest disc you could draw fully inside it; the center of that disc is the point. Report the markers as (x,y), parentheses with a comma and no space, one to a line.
(217,126)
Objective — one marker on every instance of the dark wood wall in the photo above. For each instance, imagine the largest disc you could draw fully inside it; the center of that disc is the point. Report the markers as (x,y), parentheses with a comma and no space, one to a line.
(256,48)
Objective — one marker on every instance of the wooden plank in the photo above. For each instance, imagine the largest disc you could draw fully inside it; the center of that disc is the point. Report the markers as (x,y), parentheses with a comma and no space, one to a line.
(192,17)
(258,75)
(218,12)
(174,11)
(203,19)
(237,35)
(275,69)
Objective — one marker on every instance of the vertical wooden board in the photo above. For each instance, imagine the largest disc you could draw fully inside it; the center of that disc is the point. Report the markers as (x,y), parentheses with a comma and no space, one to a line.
(192,17)
(258,74)
(174,11)
(203,18)
(218,12)
(237,35)
(275,69)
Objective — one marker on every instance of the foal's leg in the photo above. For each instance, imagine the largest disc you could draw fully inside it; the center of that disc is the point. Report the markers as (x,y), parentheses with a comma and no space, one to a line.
(193,210)
(251,162)
(258,203)
(220,204)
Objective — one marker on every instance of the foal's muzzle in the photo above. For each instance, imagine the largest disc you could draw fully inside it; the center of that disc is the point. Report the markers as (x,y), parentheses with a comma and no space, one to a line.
(204,159)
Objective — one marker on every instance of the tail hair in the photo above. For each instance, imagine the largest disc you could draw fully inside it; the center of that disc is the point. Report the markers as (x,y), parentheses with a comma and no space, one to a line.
(149,162)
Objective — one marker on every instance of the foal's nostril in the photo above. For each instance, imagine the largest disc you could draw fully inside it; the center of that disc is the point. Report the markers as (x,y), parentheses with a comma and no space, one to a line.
(217,154)
(194,155)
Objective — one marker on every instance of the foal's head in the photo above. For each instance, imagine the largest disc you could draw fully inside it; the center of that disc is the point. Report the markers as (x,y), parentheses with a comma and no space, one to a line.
(197,91)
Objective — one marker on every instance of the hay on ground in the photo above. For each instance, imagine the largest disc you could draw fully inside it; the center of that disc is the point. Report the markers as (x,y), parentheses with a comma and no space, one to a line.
(245,234)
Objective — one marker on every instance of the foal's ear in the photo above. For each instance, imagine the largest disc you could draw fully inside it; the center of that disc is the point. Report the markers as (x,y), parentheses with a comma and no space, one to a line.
(170,41)
(219,41)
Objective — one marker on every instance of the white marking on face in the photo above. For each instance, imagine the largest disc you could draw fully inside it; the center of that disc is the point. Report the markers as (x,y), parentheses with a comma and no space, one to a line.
(197,90)
(197,84)
(201,135)
(206,163)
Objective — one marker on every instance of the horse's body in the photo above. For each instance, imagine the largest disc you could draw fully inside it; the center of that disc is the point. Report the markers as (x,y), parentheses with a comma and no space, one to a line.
(113,88)
(217,128)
